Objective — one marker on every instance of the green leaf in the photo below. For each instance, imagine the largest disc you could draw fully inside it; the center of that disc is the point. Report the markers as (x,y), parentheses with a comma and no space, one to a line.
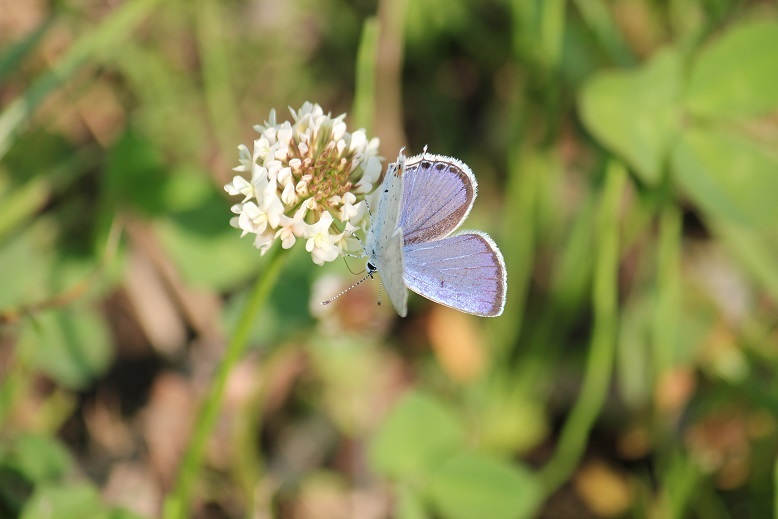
(409,505)
(419,433)
(207,251)
(737,75)
(120,513)
(636,114)
(729,177)
(72,345)
(473,486)
(756,251)
(136,176)
(25,265)
(73,501)
(38,458)
(510,419)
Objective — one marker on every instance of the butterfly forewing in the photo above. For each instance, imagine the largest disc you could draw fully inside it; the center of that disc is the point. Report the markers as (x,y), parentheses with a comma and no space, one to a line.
(465,272)
(438,194)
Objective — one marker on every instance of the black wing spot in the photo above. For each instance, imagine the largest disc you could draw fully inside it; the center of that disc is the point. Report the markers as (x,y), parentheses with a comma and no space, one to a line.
(440,166)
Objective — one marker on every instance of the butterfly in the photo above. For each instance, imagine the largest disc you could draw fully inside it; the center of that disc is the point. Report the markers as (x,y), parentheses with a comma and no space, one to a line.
(422,201)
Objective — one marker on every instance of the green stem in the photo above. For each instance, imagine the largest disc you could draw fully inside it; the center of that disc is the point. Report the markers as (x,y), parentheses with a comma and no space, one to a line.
(668,295)
(177,505)
(599,366)
(775,489)
(364,89)
(217,71)
(596,15)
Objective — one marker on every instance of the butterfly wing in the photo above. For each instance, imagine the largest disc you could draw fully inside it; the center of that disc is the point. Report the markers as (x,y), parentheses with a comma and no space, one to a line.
(391,267)
(438,194)
(384,241)
(465,272)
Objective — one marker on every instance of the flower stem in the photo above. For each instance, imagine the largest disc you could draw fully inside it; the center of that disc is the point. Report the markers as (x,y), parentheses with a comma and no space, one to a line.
(177,504)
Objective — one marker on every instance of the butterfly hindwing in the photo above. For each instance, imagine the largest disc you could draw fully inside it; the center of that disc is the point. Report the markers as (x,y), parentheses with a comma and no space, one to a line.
(465,272)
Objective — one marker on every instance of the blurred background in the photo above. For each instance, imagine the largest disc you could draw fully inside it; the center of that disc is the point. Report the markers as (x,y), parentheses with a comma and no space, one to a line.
(627,159)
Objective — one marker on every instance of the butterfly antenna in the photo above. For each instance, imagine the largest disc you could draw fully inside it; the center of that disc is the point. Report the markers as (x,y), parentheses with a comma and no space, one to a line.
(328,301)
(347,265)
(380,286)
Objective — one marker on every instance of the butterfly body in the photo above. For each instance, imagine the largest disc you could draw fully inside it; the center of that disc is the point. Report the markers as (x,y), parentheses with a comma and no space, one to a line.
(384,243)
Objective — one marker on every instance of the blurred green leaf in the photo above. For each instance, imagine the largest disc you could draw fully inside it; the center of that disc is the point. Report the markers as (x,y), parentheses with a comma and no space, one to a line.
(736,76)
(136,175)
(636,113)
(473,486)
(120,513)
(37,167)
(72,501)
(347,367)
(207,251)
(169,110)
(756,251)
(39,458)
(728,176)
(426,20)
(71,345)
(510,417)
(30,253)
(420,433)
(100,42)
(409,505)
(15,490)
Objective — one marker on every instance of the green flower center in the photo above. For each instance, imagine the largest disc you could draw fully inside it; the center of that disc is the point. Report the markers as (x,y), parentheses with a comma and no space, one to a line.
(329,176)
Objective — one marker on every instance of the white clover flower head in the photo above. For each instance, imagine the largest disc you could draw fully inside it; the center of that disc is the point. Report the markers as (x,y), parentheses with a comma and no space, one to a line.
(308,179)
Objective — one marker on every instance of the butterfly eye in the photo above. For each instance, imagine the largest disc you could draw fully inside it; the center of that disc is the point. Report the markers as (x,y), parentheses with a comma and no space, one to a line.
(371,268)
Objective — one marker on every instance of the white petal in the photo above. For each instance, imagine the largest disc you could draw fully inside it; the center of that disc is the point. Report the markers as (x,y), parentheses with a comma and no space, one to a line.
(358,141)
(289,196)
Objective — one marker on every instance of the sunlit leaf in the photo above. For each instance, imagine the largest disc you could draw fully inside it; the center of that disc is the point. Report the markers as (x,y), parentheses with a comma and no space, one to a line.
(510,418)
(72,501)
(136,176)
(207,257)
(636,114)
(420,433)
(472,486)
(30,253)
(729,177)
(737,75)
(409,505)
(71,345)
(756,251)
(38,458)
